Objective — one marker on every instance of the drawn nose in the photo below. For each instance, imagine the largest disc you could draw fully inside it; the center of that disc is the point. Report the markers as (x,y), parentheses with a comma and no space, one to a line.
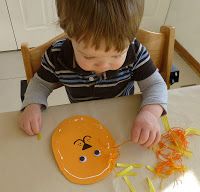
(86,146)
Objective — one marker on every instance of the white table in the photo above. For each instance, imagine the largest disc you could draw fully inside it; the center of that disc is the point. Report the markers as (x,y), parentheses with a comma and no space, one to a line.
(28,165)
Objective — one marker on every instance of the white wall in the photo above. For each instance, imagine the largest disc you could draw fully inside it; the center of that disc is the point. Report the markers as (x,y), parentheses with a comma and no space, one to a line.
(35,21)
(7,40)
(185,16)
(155,13)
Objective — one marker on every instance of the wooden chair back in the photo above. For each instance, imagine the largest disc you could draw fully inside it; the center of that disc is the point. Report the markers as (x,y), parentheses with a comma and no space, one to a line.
(159,45)
(32,56)
(161,48)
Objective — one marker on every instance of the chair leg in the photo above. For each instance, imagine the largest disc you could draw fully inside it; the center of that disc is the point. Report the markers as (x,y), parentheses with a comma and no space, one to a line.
(23,86)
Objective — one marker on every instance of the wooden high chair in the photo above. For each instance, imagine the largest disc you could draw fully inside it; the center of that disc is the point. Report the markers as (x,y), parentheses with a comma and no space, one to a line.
(161,49)
(160,46)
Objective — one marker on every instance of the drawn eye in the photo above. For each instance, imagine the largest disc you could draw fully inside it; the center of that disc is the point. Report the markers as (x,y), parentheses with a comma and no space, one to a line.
(79,144)
(83,159)
(97,153)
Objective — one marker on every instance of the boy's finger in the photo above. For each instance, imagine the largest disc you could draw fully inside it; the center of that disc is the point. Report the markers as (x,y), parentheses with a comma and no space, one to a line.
(144,135)
(40,123)
(35,126)
(150,140)
(27,128)
(136,134)
(157,139)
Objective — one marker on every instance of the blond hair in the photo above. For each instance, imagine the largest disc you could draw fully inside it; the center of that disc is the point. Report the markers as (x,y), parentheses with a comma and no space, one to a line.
(114,21)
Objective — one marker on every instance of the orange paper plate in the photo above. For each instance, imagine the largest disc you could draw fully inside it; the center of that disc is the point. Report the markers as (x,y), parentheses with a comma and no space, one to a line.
(84,149)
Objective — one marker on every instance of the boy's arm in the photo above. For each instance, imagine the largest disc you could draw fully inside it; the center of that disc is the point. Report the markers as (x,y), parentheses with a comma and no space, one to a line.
(154,92)
(146,129)
(38,91)
(43,82)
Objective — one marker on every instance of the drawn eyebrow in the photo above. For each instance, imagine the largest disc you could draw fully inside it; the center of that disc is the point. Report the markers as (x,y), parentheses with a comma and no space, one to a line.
(82,140)
(78,140)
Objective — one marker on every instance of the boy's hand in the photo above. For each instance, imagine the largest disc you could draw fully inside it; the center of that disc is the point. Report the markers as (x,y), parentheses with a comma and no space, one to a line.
(31,119)
(146,128)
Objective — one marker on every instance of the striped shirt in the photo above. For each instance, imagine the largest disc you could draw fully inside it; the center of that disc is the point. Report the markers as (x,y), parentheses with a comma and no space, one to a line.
(58,65)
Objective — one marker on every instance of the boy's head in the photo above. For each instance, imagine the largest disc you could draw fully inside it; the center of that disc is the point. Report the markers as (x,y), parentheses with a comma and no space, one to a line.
(100,29)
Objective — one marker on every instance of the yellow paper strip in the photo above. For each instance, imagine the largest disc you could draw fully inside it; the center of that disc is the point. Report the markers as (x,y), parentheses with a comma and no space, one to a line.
(165,122)
(151,187)
(186,153)
(130,174)
(39,136)
(128,182)
(125,171)
(137,165)
(150,168)
(192,131)
(123,165)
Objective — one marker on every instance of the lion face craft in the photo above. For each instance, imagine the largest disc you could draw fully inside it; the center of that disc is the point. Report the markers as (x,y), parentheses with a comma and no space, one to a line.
(84,149)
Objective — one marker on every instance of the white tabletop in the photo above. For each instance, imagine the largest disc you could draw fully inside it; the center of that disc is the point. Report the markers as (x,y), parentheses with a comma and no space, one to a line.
(27,164)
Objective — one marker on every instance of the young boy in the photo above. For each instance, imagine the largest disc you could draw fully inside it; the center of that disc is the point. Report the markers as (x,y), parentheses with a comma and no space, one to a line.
(100,58)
